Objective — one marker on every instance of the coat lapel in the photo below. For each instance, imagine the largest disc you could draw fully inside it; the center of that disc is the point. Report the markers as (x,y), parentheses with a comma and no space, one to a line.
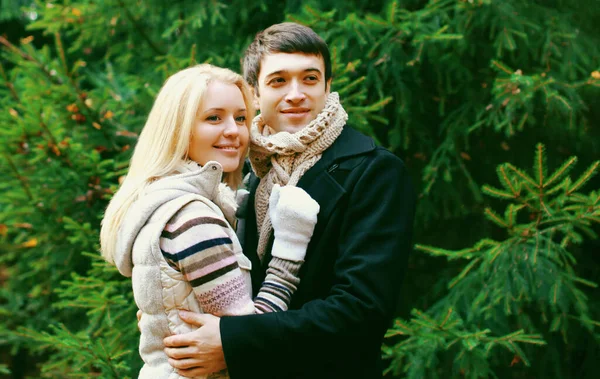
(318,183)
(250,234)
(321,185)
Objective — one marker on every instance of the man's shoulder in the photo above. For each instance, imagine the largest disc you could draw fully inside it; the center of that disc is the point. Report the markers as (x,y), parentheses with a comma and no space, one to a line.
(351,138)
(354,144)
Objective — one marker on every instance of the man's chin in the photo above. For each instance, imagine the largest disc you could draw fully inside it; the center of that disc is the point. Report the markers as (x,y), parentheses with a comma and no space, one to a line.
(292,128)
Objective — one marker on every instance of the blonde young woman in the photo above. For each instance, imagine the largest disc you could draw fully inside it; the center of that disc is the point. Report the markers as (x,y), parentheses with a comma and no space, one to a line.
(169,225)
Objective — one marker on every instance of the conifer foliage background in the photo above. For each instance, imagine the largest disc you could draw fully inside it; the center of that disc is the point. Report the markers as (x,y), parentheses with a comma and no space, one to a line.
(493,105)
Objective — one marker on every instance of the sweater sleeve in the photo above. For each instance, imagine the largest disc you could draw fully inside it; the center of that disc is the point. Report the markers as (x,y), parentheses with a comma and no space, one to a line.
(201,245)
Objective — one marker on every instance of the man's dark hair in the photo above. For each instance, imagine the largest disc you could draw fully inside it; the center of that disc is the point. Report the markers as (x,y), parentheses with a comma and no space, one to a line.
(287,37)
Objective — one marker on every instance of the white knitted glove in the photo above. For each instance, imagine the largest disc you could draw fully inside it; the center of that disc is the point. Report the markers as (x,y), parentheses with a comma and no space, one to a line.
(293,215)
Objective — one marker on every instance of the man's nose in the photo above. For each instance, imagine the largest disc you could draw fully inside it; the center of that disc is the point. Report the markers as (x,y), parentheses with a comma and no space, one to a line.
(295,93)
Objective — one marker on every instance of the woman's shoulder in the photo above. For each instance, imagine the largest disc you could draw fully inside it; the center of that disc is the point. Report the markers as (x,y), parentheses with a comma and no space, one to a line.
(199,212)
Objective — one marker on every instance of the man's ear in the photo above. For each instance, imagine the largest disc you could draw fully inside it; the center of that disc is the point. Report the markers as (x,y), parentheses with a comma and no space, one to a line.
(328,86)
(255,98)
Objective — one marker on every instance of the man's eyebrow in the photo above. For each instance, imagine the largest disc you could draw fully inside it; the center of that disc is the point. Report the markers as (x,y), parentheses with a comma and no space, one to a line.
(280,72)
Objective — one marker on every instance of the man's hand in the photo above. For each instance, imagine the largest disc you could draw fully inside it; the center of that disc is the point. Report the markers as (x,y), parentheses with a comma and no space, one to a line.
(199,352)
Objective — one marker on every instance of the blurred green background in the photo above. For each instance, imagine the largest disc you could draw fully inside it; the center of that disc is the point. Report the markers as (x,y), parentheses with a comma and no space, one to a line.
(493,105)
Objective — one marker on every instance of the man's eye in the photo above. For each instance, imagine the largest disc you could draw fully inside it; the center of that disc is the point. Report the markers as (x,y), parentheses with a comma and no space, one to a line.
(213,118)
(277,81)
(312,78)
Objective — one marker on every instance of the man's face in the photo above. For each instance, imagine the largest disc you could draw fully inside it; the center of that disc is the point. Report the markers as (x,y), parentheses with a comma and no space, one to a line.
(291,90)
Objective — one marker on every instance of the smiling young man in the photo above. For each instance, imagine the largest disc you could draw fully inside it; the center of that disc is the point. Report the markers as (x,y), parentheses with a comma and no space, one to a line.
(355,261)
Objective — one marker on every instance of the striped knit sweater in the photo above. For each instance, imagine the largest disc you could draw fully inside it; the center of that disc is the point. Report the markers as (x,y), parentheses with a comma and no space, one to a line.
(200,245)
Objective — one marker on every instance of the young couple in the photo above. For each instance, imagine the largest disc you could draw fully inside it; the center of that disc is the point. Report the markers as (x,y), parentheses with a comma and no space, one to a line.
(326,227)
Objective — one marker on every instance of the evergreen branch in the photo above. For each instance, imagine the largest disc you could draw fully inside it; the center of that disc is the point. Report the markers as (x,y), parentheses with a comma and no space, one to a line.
(21,179)
(565,241)
(139,29)
(51,136)
(63,337)
(597,200)
(50,76)
(29,58)
(424,324)
(471,182)
(54,144)
(392,12)
(569,219)
(523,121)
(537,248)
(489,190)
(401,325)
(10,86)
(374,19)
(193,55)
(577,198)
(502,67)
(582,281)
(494,253)
(510,213)
(540,165)
(435,251)
(561,171)
(584,178)
(585,321)
(521,174)
(519,352)
(544,207)
(79,98)
(564,184)
(448,314)
(61,54)
(503,176)
(555,289)
(464,272)
(486,242)
(494,217)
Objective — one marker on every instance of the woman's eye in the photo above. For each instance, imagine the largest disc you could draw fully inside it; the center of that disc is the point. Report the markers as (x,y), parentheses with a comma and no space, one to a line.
(213,118)
(240,119)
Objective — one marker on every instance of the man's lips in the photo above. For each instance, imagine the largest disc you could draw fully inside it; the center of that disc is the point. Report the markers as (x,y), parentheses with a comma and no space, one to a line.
(295,110)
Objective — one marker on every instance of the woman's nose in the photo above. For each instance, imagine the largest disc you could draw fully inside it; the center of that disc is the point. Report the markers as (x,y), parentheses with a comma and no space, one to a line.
(231,128)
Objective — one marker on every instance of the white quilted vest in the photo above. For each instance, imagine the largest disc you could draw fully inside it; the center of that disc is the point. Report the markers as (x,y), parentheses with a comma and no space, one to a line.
(158,289)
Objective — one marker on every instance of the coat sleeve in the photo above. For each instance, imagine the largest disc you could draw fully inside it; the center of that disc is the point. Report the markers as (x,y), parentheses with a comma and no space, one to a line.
(372,251)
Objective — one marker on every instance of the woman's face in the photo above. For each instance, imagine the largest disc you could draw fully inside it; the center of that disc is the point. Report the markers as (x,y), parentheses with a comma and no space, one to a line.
(220,133)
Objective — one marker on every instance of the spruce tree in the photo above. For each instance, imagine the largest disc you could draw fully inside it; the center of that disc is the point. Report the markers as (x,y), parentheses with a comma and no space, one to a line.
(501,282)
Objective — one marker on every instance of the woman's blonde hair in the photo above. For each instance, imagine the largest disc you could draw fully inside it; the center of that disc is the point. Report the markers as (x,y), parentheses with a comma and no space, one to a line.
(163,144)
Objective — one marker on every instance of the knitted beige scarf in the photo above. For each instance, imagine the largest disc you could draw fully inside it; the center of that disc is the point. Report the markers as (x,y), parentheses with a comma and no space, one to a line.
(283,157)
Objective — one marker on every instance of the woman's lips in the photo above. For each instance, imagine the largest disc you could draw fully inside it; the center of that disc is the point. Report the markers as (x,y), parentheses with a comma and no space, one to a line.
(232,149)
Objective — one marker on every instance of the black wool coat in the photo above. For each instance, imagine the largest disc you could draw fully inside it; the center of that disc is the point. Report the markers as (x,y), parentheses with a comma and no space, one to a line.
(351,277)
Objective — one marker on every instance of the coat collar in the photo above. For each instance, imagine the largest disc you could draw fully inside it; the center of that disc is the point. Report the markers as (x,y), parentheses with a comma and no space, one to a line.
(348,144)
